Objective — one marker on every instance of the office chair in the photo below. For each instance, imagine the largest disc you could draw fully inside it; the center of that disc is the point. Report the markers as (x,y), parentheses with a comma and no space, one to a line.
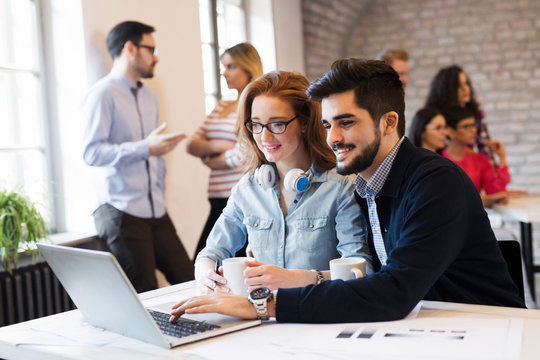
(511,252)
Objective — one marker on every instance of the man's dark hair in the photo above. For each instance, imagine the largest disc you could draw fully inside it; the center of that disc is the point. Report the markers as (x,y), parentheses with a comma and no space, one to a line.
(126,31)
(455,114)
(376,86)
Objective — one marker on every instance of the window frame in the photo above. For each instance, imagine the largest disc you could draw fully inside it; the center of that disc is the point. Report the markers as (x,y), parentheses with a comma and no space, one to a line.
(217,48)
(49,148)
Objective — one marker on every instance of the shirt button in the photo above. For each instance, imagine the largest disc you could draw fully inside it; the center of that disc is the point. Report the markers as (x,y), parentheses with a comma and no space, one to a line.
(373,197)
(311,226)
(281,246)
(295,201)
(255,224)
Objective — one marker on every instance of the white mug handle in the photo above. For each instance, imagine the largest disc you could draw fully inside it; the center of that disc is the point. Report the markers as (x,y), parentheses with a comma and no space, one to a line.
(357,273)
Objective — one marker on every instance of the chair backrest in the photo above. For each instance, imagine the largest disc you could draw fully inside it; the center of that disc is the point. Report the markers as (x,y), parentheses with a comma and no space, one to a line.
(511,252)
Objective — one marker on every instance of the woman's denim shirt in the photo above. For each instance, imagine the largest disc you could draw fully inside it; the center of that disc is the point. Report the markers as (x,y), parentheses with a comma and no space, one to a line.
(321,224)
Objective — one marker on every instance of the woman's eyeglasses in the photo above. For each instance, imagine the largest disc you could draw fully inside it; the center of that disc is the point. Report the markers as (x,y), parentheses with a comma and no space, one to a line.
(277,127)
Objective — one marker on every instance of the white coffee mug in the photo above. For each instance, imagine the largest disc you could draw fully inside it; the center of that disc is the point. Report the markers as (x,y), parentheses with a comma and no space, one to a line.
(347,268)
(233,271)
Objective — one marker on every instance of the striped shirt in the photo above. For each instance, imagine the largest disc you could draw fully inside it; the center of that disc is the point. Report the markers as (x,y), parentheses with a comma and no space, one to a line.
(369,190)
(222,129)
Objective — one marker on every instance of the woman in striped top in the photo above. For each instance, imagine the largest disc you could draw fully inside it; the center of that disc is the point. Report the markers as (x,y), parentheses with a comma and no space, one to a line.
(215,140)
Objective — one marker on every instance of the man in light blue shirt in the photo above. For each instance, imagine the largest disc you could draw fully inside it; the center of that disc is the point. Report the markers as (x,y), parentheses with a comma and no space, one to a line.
(125,146)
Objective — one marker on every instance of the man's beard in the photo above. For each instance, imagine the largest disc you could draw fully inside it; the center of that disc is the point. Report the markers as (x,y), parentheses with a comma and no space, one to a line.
(145,73)
(363,160)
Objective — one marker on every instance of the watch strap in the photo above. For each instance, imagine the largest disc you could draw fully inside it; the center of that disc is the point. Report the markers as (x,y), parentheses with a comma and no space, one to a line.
(320,276)
(261,307)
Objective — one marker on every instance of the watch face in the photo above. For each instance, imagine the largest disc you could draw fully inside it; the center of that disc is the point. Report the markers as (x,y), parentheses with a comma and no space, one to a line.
(260,293)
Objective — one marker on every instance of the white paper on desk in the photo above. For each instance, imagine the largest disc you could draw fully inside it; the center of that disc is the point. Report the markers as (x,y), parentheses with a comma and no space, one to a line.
(441,338)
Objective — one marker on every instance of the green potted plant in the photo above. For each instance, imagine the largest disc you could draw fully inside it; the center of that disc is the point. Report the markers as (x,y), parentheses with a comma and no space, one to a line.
(21,226)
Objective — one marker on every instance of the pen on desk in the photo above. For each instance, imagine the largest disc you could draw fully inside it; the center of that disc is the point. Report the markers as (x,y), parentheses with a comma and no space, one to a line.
(216,269)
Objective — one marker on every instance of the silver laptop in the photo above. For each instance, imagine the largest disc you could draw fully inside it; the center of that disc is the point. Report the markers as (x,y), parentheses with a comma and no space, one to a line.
(100,289)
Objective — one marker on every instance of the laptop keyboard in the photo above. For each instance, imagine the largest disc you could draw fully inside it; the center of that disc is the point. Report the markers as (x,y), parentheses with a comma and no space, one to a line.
(182,327)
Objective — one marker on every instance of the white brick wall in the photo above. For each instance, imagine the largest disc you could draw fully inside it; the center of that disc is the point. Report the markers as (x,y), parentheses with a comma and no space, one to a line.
(497,42)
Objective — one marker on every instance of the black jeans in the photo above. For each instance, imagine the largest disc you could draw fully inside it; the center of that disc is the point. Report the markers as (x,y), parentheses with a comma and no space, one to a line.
(142,245)
(216,208)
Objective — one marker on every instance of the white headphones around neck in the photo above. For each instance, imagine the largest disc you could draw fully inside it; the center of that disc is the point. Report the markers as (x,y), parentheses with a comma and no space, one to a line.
(296,180)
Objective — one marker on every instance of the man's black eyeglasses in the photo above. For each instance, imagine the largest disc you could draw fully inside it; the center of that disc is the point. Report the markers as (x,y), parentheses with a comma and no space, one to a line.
(152,49)
(277,127)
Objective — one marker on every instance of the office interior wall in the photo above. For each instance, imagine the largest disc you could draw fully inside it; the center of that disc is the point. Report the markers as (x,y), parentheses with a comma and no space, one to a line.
(289,39)
(275,29)
(260,31)
(178,84)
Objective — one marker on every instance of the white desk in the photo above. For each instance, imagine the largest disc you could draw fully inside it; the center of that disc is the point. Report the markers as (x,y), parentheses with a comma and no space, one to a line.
(269,341)
(526,210)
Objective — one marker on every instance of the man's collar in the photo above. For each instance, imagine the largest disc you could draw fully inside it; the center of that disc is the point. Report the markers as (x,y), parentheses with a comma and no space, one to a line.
(392,187)
(125,80)
(376,182)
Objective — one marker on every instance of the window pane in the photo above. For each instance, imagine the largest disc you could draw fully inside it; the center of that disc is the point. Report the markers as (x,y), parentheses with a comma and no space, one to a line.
(18,28)
(238,3)
(20,104)
(231,30)
(226,93)
(210,103)
(27,170)
(235,27)
(231,24)
(206,25)
(22,149)
(209,69)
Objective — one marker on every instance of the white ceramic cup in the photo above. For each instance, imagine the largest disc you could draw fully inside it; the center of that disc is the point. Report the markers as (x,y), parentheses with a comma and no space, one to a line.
(233,271)
(347,268)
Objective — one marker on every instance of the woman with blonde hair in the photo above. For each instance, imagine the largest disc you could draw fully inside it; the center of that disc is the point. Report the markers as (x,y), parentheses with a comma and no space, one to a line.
(295,211)
(215,141)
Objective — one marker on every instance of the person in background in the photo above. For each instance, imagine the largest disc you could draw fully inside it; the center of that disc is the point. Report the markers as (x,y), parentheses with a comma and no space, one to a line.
(399,60)
(125,146)
(424,218)
(215,141)
(452,87)
(489,181)
(293,228)
(428,130)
